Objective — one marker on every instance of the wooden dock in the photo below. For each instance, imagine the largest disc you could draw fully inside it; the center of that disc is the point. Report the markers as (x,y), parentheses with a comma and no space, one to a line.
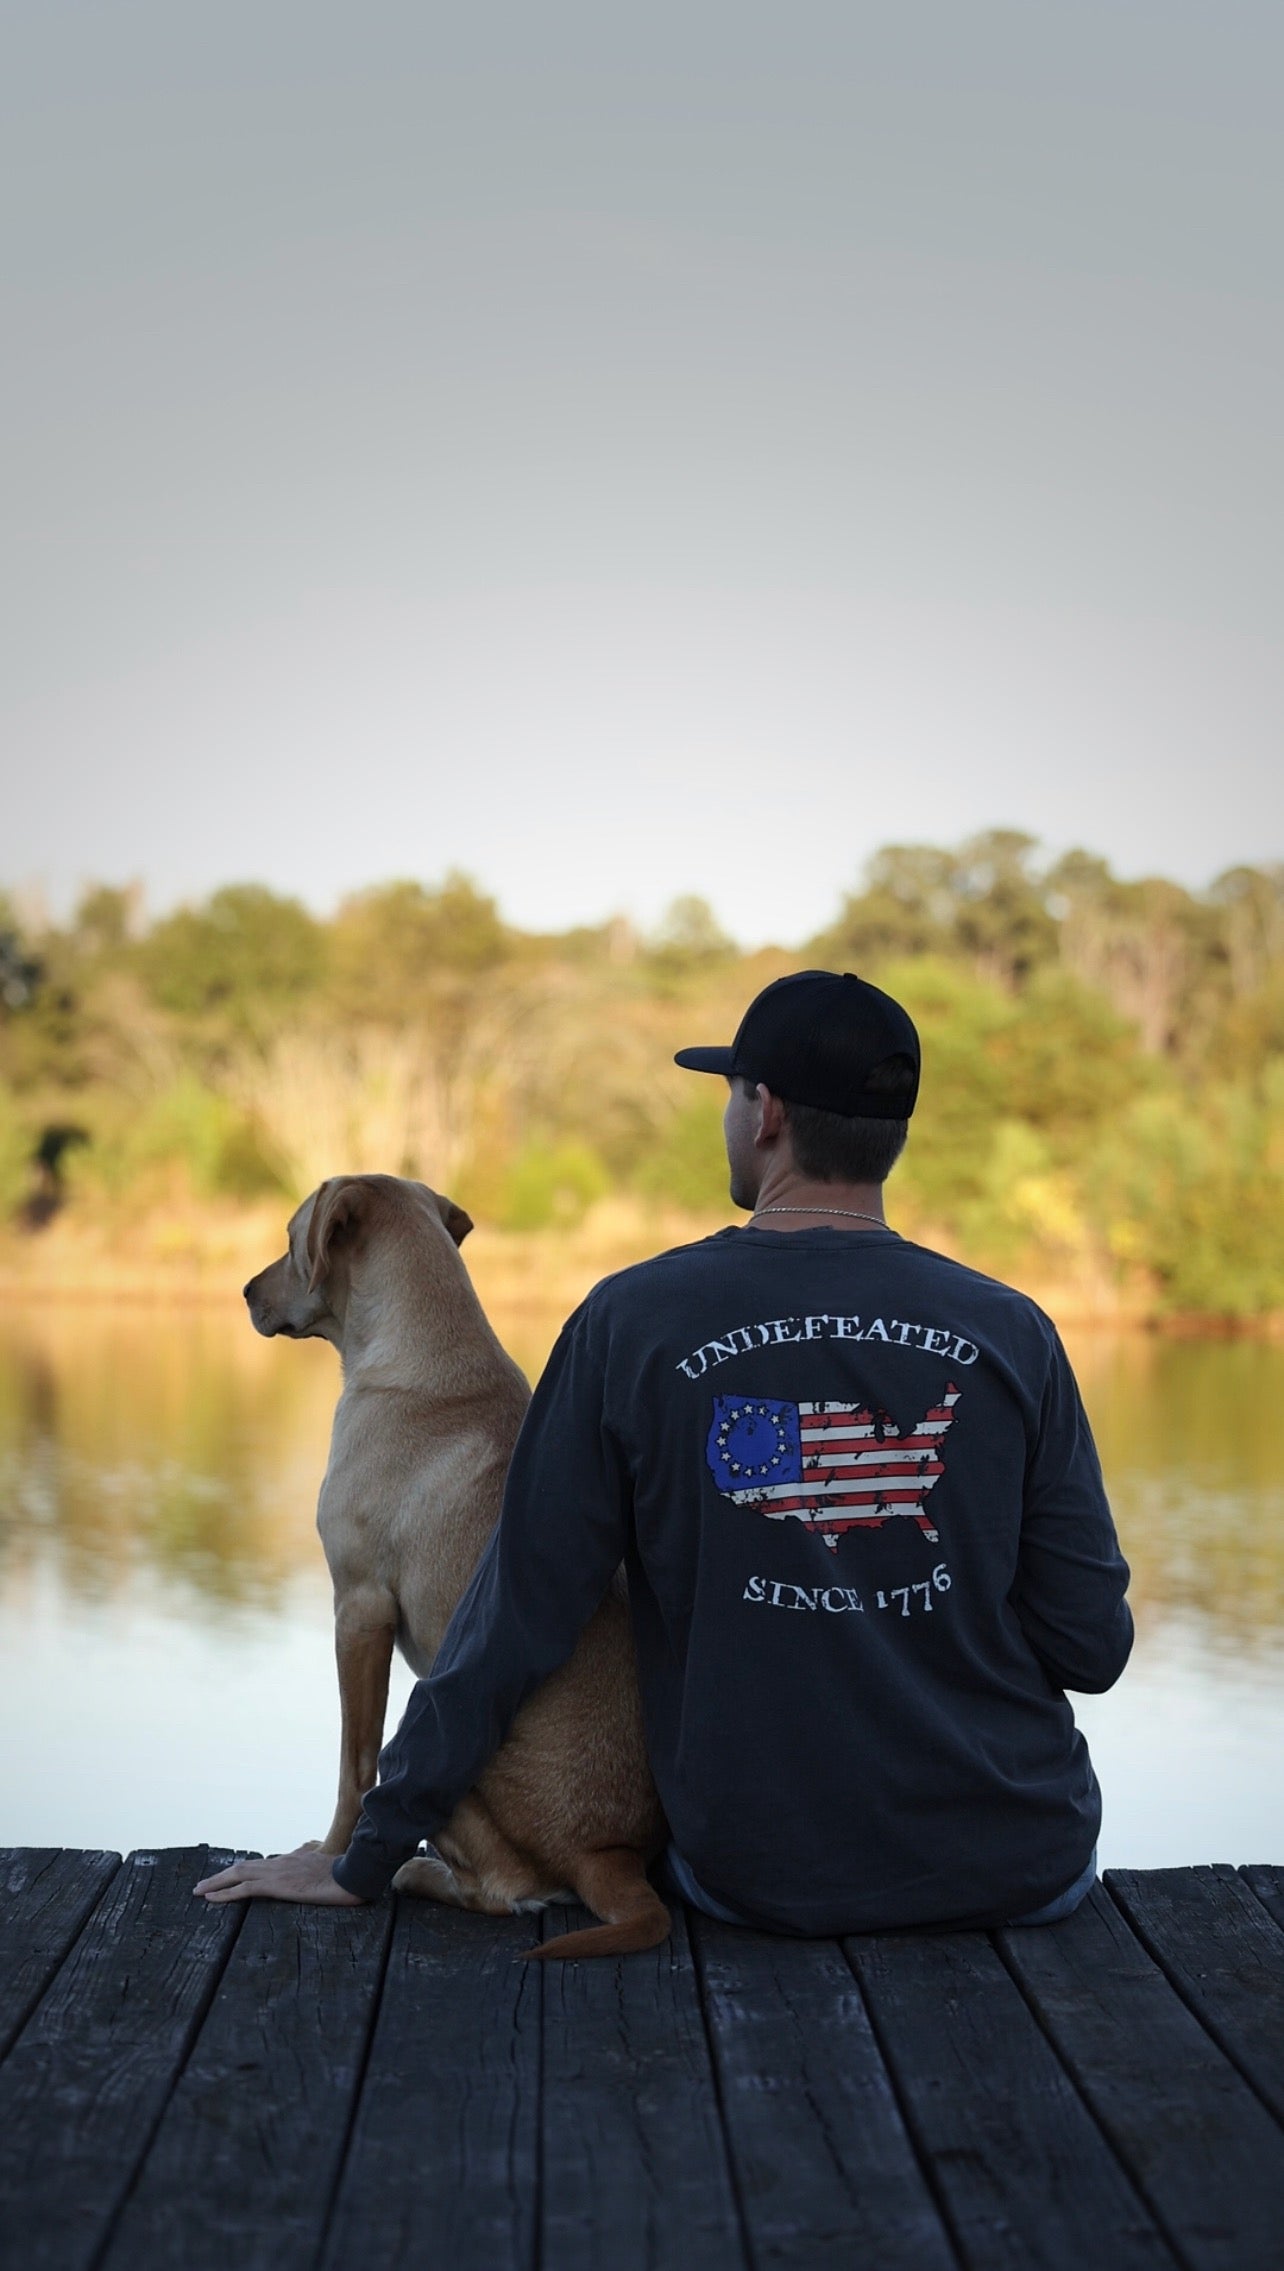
(285,2088)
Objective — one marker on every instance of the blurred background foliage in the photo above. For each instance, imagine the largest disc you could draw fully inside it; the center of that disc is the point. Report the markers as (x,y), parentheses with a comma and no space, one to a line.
(1104,1060)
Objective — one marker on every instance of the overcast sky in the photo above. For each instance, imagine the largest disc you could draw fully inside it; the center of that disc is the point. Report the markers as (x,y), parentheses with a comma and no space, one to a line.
(623,452)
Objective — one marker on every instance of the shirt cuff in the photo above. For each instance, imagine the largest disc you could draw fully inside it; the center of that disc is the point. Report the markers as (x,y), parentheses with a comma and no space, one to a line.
(367,1869)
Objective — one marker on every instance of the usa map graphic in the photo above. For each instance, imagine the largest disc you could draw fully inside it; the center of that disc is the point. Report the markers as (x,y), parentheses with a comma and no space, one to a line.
(832,1467)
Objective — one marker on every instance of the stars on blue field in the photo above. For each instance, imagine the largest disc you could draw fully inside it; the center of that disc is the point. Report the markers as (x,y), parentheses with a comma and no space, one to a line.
(754,1440)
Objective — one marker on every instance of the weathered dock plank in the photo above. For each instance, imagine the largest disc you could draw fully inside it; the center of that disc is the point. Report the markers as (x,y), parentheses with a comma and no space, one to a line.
(824,2167)
(1206,2156)
(248,2152)
(46,1896)
(635,2172)
(442,2167)
(1024,2175)
(85,2083)
(1221,1951)
(284,2088)
(1267,1884)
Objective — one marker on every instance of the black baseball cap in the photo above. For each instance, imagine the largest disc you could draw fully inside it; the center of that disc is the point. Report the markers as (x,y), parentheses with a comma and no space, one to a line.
(829,1040)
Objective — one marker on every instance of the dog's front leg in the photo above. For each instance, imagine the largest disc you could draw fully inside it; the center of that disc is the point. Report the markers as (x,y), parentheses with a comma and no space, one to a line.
(365,1626)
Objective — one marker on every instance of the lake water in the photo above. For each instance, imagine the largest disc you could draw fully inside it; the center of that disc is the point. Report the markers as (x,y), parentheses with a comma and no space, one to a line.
(165,1635)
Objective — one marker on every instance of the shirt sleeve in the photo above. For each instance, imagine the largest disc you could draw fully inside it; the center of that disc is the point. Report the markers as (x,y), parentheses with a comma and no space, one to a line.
(1071,1575)
(559,1540)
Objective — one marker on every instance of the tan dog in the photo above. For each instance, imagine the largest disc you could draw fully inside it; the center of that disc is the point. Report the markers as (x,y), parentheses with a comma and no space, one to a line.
(422,1437)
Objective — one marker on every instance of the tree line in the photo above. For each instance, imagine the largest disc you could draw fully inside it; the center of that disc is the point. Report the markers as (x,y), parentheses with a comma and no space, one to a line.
(1103,1083)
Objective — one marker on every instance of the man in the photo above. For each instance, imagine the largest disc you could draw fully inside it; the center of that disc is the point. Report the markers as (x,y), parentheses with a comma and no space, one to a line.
(867,1543)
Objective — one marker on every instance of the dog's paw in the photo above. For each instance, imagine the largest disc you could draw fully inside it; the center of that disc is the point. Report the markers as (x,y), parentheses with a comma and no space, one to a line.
(428,1878)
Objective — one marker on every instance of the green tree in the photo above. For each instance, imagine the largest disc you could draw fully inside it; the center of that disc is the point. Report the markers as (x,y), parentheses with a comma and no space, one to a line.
(1250,904)
(400,950)
(1196,1190)
(245,952)
(1149,945)
(905,907)
(1001,919)
(690,938)
(1068,1063)
(982,901)
(106,919)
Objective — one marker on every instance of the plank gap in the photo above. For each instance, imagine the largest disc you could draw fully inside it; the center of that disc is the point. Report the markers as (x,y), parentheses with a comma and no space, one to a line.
(363,2067)
(719,2096)
(636,2170)
(1027,2176)
(87,2082)
(1130,1891)
(30,1961)
(197,2020)
(926,2166)
(1266,1883)
(1151,2206)
(440,2157)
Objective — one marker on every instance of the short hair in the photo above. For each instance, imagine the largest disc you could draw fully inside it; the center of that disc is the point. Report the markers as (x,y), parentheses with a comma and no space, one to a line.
(832,1148)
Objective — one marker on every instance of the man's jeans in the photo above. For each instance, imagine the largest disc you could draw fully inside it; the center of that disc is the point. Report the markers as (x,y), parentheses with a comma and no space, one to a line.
(1065,1903)
(683,1881)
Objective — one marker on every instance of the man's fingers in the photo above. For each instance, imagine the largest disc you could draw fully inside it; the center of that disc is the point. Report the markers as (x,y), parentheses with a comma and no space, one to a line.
(232,1876)
(302,1876)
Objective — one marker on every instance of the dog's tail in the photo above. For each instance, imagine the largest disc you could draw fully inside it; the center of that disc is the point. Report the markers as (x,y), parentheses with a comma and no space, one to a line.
(614,1885)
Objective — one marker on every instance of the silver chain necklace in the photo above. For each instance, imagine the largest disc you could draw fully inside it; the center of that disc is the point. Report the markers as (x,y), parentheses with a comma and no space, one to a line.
(853,1213)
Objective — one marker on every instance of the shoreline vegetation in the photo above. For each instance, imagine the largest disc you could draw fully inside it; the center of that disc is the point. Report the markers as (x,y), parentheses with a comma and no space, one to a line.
(205,1256)
(1102,1117)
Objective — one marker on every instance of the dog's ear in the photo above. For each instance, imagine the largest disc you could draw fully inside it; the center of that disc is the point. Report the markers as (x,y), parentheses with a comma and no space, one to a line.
(336,1207)
(457,1222)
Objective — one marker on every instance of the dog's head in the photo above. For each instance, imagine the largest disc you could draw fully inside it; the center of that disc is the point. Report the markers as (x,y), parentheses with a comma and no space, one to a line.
(304,1294)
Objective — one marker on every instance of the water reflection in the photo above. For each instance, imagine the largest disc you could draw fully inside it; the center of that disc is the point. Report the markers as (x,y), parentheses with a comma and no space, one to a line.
(164,1607)
(167,1438)
(1189,1432)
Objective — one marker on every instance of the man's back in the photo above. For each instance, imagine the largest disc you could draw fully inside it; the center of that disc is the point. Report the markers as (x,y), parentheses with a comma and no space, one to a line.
(868,1547)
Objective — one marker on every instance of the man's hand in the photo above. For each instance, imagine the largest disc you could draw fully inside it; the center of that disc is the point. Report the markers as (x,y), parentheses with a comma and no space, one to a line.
(304,1876)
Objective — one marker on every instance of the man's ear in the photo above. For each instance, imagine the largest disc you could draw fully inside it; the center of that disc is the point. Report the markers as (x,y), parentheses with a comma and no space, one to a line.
(457,1222)
(773,1115)
(335,1209)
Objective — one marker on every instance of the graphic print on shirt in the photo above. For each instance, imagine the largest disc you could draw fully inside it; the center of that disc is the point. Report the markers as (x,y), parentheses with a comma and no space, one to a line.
(832,1467)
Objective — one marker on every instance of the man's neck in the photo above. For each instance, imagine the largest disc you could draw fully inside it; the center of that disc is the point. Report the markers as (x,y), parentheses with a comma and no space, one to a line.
(788,1200)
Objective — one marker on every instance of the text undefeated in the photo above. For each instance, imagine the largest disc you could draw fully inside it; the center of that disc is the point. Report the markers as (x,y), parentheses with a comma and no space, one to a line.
(778,1332)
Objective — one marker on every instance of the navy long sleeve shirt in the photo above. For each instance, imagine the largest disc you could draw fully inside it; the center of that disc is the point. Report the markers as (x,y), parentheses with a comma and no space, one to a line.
(868,1549)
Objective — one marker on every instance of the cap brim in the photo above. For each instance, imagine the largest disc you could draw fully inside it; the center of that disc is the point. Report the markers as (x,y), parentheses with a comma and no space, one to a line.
(705,1060)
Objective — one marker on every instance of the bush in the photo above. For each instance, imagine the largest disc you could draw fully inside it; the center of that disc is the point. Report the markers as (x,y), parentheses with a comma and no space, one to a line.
(16,1146)
(219,1151)
(1197,1197)
(551,1185)
(686,1164)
